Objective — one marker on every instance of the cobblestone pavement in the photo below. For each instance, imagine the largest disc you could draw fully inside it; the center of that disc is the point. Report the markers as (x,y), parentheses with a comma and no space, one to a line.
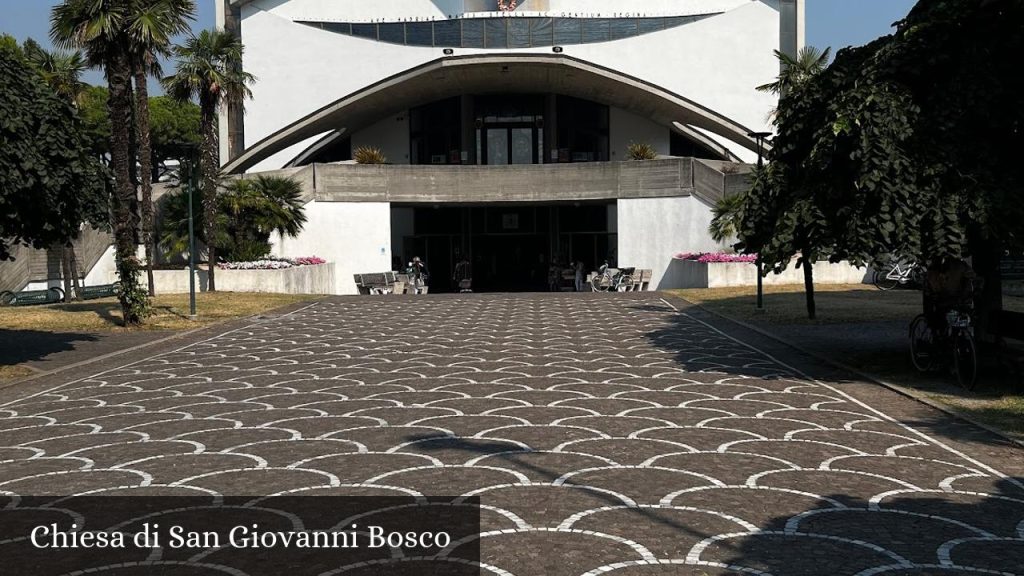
(604,435)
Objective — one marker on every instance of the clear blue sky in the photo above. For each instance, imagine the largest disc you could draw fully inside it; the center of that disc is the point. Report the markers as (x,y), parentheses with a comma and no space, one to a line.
(835,23)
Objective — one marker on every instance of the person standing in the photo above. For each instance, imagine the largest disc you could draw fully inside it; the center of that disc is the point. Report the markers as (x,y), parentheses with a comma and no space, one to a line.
(418,274)
(579,276)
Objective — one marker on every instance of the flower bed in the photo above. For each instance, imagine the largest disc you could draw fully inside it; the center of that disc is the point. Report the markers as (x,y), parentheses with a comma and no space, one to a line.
(717,257)
(273,263)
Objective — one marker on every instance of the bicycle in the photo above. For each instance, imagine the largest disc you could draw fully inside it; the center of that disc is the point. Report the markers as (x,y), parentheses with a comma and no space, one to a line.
(605,281)
(932,347)
(898,273)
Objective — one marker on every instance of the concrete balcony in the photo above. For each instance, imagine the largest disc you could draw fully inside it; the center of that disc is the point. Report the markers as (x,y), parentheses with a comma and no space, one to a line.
(663,178)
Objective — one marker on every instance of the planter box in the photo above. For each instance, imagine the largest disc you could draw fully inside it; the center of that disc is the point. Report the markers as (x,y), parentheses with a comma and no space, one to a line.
(298,280)
(692,274)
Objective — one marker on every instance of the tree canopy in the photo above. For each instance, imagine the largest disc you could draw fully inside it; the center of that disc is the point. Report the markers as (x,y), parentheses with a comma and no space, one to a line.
(49,182)
(908,144)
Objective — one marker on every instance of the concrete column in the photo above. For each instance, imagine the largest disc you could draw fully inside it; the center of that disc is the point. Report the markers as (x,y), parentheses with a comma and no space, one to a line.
(468,129)
(550,127)
(792,27)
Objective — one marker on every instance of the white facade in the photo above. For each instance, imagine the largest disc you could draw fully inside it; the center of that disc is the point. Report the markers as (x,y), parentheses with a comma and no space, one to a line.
(309,56)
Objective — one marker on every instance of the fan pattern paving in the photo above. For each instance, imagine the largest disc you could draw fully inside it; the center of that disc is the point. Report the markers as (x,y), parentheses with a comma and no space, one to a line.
(604,435)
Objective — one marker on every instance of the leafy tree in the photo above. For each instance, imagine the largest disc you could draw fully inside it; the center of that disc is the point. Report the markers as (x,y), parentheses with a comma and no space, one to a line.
(100,29)
(210,70)
(248,212)
(49,183)
(905,145)
(92,109)
(171,124)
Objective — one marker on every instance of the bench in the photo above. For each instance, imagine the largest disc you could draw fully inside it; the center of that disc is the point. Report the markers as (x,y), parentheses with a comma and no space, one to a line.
(376,283)
(100,291)
(32,297)
(1011,268)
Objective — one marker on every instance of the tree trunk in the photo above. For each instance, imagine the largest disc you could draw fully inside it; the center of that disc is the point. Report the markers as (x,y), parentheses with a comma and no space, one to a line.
(209,165)
(74,271)
(808,264)
(988,295)
(145,167)
(65,272)
(119,107)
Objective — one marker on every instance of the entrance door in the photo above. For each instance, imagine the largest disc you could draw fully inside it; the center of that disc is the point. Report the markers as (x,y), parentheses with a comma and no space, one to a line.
(510,144)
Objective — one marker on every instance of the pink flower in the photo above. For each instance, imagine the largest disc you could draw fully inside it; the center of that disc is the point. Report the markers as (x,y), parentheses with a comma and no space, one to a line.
(717,257)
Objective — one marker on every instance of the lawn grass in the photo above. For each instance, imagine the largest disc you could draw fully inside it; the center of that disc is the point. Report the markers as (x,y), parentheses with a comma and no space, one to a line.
(8,373)
(836,304)
(170,312)
(998,402)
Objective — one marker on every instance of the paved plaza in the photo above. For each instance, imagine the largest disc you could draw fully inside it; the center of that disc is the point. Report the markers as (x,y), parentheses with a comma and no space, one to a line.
(604,434)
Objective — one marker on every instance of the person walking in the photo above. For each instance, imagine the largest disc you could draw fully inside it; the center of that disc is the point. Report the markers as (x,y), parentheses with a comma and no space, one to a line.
(418,274)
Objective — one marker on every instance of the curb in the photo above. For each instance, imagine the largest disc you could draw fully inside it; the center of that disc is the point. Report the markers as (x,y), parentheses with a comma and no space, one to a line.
(901,390)
(245,320)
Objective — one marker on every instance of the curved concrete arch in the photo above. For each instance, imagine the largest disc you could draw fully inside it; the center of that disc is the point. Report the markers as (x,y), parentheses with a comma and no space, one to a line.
(495,73)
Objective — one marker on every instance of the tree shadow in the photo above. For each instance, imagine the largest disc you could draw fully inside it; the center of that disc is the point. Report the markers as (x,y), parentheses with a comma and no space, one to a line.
(20,346)
(703,342)
(905,533)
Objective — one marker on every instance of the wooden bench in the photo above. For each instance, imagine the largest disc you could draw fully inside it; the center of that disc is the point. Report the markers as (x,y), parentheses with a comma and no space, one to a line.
(100,291)
(32,297)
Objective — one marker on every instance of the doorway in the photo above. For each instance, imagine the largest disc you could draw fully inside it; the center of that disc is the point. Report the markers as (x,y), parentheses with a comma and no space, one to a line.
(511,143)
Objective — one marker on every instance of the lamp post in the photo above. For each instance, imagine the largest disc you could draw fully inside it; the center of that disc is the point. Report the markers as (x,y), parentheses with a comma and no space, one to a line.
(189,178)
(760,137)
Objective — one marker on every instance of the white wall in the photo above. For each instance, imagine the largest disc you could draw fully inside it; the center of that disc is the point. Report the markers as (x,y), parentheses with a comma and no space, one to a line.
(716,62)
(390,135)
(626,128)
(653,230)
(355,236)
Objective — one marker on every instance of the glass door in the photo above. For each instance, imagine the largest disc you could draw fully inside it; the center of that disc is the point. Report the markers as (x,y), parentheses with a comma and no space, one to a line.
(497,146)
(521,143)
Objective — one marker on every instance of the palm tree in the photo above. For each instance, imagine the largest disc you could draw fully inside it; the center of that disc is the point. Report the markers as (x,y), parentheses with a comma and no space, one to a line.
(258,207)
(808,63)
(210,69)
(728,213)
(100,29)
(152,25)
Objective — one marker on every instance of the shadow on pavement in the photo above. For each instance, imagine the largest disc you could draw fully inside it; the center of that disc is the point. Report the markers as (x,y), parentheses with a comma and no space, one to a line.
(21,346)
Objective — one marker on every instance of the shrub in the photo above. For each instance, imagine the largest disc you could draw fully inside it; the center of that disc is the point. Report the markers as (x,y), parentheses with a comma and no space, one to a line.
(640,152)
(273,263)
(369,155)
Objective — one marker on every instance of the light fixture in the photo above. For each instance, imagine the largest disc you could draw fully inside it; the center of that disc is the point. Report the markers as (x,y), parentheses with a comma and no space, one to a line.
(448,51)
(557,49)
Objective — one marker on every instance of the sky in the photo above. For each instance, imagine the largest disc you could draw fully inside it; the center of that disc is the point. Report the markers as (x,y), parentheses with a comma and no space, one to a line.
(834,23)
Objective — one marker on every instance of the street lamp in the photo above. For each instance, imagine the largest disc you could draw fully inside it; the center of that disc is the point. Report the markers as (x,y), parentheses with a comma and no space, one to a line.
(190,182)
(760,137)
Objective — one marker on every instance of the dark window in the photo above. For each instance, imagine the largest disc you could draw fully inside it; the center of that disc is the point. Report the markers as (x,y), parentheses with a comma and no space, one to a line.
(435,133)
(647,25)
(567,31)
(497,33)
(541,32)
(472,33)
(595,30)
(365,30)
(519,33)
(339,27)
(393,33)
(623,28)
(419,34)
(448,34)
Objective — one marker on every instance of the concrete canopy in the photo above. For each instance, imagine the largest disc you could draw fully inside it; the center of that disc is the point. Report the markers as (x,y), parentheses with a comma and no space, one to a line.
(494,73)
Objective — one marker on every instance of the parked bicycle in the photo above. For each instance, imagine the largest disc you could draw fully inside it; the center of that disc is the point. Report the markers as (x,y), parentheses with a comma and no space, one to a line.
(606,281)
(899,272)
(946,341)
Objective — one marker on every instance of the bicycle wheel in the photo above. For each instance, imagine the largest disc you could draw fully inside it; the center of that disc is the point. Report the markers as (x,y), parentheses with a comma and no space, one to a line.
(882,279)
(601,283)
(922,345)
(965,359)
(6,298)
